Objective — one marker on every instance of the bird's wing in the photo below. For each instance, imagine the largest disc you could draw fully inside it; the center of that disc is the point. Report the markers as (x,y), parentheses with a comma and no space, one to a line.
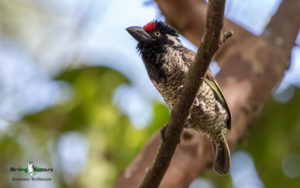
(212,82)
(188,56)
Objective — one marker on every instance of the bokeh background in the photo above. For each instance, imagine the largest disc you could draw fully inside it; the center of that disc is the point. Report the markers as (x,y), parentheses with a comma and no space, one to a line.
(74,96)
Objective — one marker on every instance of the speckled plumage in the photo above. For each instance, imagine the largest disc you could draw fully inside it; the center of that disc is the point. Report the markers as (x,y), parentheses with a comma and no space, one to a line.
(167,63)
(207,114)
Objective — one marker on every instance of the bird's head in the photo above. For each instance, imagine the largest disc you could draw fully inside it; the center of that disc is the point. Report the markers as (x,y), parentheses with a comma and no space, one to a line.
(154,36)
(155,40)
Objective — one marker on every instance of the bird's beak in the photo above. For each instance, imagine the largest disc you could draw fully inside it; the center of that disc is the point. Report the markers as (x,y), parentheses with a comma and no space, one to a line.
(138,33)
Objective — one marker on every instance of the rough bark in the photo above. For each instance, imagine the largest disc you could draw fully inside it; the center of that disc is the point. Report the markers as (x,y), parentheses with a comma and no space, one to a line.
(251,66)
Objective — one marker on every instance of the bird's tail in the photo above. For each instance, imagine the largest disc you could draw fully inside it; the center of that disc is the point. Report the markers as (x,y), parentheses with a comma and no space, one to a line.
(222,155)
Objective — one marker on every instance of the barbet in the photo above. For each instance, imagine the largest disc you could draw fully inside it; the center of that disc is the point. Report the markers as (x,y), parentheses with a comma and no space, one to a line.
(167,62)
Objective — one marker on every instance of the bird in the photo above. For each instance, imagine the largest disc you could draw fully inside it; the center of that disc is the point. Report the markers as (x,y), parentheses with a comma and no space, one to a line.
(167,63)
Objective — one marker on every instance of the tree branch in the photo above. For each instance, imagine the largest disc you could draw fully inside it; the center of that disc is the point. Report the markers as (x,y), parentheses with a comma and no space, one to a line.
(208,47)
(276,31)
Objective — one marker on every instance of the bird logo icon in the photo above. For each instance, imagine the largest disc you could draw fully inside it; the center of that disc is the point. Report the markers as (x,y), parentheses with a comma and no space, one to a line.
(30,168)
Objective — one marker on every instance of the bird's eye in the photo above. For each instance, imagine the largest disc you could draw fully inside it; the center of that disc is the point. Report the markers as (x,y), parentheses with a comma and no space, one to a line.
(157,34)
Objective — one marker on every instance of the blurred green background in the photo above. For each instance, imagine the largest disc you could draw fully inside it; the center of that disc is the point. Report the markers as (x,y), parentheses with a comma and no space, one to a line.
(75,96)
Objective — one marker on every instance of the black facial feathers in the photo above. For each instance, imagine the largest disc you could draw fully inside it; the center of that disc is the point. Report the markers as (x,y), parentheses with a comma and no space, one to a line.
(162,38)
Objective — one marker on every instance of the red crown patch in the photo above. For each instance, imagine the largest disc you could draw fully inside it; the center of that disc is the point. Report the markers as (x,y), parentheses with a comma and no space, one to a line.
(150,26)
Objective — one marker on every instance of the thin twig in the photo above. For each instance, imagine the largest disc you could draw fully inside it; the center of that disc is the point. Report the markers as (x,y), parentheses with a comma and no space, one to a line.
(224,36)
(209,45)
